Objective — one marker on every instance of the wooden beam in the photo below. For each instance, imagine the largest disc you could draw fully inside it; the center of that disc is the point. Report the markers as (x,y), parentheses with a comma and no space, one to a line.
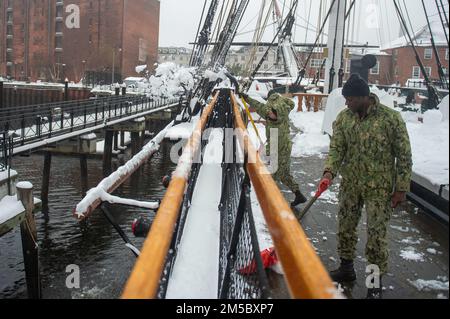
(144,280)
(305,274)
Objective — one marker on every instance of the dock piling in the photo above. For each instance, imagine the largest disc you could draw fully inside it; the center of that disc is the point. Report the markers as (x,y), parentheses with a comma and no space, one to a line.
(29,241)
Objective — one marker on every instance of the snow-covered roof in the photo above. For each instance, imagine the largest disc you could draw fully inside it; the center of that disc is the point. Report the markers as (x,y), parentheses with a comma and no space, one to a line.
(421,38)
(134,79)
(375,51)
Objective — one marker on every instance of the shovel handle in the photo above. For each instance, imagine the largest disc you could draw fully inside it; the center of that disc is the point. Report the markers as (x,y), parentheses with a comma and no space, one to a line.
(323,186)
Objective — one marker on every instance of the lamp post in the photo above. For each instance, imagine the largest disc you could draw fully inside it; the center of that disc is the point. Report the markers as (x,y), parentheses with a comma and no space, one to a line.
(83,75)
(114,64)
(1,92)
(66,89)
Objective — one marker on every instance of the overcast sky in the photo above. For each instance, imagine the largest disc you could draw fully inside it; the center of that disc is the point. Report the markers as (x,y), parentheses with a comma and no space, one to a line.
(378,22)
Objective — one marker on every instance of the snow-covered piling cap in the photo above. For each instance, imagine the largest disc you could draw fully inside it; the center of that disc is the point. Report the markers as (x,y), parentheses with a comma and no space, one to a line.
(24,185)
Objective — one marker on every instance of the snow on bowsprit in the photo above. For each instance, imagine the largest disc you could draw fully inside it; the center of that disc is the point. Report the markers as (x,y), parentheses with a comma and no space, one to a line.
(105,186)
(199,248)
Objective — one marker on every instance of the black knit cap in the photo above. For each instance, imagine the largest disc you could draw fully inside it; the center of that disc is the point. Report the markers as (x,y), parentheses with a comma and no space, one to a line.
(355,86)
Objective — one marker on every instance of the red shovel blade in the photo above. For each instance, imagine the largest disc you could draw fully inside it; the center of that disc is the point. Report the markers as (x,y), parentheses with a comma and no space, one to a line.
(323,186)
(269,258)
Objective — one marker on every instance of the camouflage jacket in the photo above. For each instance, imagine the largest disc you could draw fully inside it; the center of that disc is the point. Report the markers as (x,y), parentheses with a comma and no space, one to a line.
(282,107)
(373,155)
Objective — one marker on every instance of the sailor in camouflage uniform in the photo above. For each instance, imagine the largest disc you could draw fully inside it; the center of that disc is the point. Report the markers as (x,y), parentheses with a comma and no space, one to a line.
(276,113)
(371,150)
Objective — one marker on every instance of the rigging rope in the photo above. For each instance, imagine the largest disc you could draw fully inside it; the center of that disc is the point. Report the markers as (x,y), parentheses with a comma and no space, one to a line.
(433,97)
(309,17)
(442,21)
(257,37)
(198,32)
(409,19)
(436,53)
(332,69)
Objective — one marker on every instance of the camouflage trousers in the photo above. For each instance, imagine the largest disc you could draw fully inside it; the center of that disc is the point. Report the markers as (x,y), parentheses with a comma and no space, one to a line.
(283,174)
(378,212)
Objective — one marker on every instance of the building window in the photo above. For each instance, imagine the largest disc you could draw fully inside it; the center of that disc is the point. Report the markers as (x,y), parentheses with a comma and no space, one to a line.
(428,70)
(446,54)
(316,63)
(428,54)
(375,69)
(416,72)
(445,70)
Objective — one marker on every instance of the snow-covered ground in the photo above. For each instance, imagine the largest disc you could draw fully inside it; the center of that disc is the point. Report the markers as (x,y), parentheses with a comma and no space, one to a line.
(9,208)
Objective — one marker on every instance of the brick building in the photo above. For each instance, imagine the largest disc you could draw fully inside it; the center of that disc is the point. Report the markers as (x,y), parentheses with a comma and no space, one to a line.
(404,66)
(53,39)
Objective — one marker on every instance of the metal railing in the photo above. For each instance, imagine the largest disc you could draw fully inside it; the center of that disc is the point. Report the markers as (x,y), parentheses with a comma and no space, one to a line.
(3,152)
(37,122)
(305,275)
(241,270)
(6,151)
(148,274)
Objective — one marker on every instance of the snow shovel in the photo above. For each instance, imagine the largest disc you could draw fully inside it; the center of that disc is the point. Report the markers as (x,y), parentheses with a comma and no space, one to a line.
(322,188)
(268,257)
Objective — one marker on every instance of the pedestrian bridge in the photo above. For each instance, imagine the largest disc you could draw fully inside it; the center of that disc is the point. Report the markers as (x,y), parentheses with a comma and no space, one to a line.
(36,126)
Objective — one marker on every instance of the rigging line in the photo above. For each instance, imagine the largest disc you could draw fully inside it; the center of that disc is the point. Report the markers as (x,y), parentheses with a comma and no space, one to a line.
(313,27)
(388,23)
(220,18)
(438,61)
(353,25)
(445,15)
(350,9)
(252,31)
(349,16)
(432,94)
(442,21)
(379,29)
(269,47)
(358,23)
(309,17)
(243,28)
(198,32)
(332,69)
(256,38)
(302,73)
(409,19)
(343,38)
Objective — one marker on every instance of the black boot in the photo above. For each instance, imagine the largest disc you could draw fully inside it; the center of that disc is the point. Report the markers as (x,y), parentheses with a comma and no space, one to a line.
(299,199)
(345,272)
(375,293)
